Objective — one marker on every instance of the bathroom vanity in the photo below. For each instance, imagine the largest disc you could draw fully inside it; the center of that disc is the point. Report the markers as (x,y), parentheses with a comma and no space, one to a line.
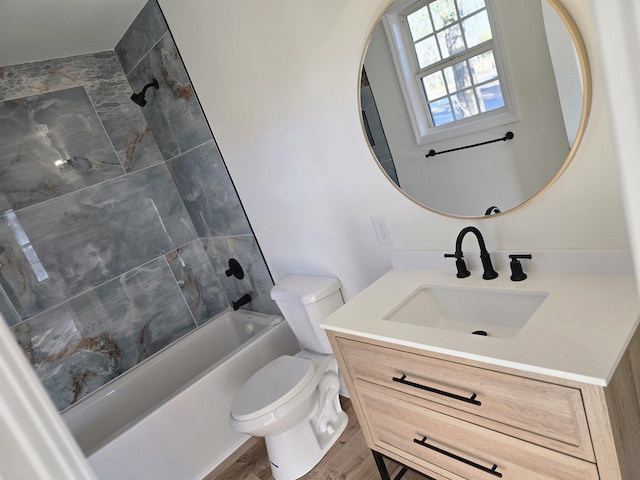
(553,394)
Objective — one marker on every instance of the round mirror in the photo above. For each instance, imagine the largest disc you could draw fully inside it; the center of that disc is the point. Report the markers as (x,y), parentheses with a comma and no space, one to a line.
(474,107)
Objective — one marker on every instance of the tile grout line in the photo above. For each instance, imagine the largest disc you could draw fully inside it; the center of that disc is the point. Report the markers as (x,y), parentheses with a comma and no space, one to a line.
(120,177)
(125,174)
(21,320)
(12,307)
(94,287)
(115,150)
(178,285)
(190,150)
(146,53)
(52,63)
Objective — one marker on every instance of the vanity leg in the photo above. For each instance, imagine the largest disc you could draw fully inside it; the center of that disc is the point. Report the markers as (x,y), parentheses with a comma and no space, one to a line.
(382,468)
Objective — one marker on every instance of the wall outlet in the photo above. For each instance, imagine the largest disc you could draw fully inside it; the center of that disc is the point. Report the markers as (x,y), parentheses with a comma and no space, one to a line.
(382,232)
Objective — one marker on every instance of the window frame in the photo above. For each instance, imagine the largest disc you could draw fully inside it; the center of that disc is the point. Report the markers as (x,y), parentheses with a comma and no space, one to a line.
(409,77)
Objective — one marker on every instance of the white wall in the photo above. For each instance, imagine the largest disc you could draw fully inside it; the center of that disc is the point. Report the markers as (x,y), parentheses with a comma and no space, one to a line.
(41,30)
(618,23)
(278,81)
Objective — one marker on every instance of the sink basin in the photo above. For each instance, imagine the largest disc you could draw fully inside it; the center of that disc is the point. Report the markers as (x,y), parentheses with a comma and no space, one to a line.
(492,312)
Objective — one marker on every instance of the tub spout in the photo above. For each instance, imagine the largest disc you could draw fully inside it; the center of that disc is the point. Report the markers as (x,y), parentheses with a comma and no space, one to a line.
(243,300)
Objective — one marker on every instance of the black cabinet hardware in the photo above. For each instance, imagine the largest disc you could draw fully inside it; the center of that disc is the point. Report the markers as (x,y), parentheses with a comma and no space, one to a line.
(471,399)
(491,471)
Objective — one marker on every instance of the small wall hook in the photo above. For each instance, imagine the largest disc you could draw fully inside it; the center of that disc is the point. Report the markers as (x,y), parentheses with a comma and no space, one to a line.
(235,269)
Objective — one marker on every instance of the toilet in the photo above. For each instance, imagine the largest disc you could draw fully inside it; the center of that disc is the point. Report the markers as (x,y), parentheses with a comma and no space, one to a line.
(293,401)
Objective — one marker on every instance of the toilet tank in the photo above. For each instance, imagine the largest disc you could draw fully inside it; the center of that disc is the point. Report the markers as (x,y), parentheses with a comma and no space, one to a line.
(305,301)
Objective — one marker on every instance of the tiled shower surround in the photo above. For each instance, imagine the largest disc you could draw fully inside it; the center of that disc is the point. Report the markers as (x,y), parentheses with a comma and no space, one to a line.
(119,221)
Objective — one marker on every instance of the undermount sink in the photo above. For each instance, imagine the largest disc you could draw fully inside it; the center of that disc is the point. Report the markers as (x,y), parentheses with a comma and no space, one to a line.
(492,312)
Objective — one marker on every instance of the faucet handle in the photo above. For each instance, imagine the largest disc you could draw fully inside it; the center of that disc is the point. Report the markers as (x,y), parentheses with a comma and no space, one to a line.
(517,274)
(463,272)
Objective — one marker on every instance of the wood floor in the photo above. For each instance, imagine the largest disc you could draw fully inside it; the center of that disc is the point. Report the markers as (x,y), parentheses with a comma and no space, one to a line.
(348,459)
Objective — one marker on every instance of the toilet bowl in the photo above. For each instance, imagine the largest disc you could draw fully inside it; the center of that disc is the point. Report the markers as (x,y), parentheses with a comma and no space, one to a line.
(297,396)
(293,401)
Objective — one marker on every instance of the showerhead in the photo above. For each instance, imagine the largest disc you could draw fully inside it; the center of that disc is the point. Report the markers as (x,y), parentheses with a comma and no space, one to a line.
(138,98)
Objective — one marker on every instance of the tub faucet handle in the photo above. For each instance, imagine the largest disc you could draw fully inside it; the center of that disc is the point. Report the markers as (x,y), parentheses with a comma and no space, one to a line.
(235,269)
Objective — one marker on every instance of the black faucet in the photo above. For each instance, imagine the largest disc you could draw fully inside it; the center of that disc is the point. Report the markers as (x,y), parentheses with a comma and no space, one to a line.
(243,300)
(489,272)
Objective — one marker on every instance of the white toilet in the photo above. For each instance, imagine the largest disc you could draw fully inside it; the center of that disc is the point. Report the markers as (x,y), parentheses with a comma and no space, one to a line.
(293,401)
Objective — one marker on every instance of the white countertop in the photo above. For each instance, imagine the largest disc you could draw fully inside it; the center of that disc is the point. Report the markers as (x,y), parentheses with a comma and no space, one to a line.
(579,332)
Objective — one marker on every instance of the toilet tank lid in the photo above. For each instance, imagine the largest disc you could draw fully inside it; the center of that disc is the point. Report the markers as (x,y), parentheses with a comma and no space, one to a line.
(304,288)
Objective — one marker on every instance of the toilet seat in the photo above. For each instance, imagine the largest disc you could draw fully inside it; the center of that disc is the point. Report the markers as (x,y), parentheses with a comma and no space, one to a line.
(272,386)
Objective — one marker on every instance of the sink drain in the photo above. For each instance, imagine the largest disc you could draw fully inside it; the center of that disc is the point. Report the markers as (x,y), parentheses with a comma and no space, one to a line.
(480,332)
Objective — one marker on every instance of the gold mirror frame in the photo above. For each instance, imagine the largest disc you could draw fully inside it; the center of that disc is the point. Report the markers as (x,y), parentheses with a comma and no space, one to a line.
(585,70)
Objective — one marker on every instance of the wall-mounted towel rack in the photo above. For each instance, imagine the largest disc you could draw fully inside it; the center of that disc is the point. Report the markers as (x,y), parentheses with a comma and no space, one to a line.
(507,136)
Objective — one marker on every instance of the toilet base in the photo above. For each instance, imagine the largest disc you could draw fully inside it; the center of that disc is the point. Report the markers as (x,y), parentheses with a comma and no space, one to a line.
(295,452)
(297,438)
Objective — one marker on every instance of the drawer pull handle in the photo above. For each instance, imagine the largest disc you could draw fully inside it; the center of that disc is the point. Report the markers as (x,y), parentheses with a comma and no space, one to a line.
(471,399)
(492,471)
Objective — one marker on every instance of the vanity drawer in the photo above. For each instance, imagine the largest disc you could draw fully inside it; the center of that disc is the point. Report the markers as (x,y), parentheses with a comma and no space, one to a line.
(438,441)
(543,413)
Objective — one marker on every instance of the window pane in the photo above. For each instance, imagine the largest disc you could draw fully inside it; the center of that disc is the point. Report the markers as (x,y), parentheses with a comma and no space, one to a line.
(427,52)
(441,112)
(458,77)
(464,104)
(420,24)
(483,67)
(477,29)
(490,96)
(434,86)
(451,41)
(469,6)
(443,13)
(456,86)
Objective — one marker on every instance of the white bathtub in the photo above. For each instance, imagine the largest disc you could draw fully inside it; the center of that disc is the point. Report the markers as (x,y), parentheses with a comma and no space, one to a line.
(168,417)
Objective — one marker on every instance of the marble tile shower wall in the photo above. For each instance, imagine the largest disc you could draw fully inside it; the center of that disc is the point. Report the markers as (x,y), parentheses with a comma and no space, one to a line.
(118,222)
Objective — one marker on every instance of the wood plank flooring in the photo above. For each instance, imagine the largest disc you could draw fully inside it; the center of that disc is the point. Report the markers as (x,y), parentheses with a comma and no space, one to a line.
(348,459)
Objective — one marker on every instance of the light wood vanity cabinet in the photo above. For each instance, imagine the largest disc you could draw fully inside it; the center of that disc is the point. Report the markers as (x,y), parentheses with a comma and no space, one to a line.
(452,418)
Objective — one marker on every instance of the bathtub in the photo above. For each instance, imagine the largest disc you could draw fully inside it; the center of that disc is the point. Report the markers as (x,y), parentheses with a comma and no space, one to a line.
(168,417)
